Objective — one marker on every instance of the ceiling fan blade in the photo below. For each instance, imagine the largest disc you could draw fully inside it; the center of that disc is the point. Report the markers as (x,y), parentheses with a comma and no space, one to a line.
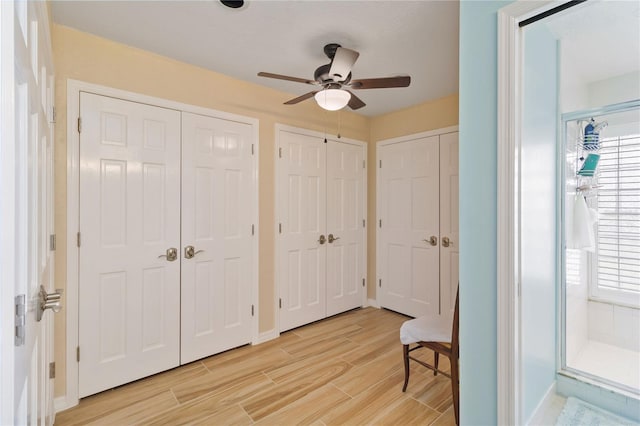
(380,83)
(301,98)
(286,77)
(355,102)
(342,63)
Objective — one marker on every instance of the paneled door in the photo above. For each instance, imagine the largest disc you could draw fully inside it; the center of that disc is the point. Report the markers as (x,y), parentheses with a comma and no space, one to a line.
(408,222)
(301,203)
(449,231)
(26,213)
(345,226)
(129,241)
(321,211)
(216,235)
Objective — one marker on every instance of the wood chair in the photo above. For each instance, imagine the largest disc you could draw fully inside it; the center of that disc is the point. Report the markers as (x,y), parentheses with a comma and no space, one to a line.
(438,334)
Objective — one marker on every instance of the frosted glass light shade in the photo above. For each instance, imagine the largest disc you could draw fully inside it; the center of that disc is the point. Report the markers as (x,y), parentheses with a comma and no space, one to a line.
(332,99)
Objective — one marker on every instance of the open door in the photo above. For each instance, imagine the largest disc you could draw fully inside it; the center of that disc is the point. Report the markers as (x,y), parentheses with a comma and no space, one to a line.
(26,199)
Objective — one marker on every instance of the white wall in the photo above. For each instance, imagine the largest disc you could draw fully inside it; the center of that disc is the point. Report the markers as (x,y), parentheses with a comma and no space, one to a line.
(614,90)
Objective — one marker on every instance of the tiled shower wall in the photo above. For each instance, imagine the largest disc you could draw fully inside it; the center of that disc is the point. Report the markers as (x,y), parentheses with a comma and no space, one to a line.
(615,325)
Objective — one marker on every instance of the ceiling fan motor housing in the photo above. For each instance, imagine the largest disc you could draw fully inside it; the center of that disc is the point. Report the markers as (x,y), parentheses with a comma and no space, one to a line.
(322,76)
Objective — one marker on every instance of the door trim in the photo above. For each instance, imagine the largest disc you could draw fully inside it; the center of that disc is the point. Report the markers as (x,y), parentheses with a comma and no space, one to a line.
(509,67)
(74,87)
(378,145)
(276,286)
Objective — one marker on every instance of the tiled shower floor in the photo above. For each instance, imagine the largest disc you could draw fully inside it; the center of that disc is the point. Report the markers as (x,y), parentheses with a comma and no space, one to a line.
(610,362)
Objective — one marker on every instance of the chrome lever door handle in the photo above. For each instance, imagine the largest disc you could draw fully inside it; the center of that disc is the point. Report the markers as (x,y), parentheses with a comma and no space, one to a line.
(171,255)
(48,301)
(332,238)
(322,239)
(433,241)
(190,252)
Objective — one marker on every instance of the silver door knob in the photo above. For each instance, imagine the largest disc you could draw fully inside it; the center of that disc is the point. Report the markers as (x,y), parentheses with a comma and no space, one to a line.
(445,242)
(171,255)
(190,252)
(322,239)
(48,301)
(433,240)
(332,238)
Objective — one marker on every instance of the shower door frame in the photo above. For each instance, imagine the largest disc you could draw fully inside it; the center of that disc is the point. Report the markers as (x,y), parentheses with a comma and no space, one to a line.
(563,369)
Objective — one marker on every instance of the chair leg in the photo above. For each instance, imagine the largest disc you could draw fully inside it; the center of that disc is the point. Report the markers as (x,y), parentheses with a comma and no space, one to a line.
(405,354)
(455,388)
(436,358)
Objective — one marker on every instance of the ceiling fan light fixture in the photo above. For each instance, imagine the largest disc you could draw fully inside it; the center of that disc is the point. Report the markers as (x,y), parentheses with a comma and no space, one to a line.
(332,99)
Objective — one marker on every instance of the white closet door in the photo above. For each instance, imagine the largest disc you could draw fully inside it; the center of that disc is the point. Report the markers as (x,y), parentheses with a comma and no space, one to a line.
(302,258)
(409,215)
(449,253)
(345,214)
(129,216)
(216,222)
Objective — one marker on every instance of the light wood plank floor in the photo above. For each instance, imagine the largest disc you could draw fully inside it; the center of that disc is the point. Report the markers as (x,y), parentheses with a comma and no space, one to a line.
(343,370)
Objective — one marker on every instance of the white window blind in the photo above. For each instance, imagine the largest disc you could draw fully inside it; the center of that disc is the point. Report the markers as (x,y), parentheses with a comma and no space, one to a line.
(618,205)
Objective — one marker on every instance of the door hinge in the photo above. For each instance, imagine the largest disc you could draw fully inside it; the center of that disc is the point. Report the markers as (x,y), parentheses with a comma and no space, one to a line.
(380,282)
(78,239)
(363,164)
(363,282)
(380,223)
(280,152)
(251,149)
(280,303)
(53,114)
(380,163)
(79,125)
(252,311)
(280,228)
(52,370)
(52,242)
(20,319)
(78,353)
(253,229)
(364,223)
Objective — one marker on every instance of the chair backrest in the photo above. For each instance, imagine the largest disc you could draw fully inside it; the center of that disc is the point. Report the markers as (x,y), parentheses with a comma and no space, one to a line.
(455,348)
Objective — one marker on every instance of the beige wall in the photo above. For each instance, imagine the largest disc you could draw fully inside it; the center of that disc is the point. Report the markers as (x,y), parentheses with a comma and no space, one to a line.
(84,57)
(432,115)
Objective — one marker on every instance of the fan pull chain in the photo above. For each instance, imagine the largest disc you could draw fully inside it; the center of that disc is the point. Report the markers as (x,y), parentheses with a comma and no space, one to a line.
(325,126)
(339,123)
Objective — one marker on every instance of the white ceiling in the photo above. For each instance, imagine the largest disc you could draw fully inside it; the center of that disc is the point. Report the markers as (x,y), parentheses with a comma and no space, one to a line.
(600,39)
(416,38)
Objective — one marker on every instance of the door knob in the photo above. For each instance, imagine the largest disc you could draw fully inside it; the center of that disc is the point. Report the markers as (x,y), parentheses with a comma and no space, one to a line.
(445,242)
(322,239)
(433,240)
(171,255)
(190,252)
(48,301)
(332,238)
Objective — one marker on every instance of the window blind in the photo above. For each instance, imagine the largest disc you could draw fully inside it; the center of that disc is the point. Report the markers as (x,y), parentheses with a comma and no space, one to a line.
(618,204)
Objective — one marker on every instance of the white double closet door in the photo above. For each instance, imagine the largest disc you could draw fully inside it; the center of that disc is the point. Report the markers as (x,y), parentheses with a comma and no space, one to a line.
(418,244)
(321,211)
(155,182)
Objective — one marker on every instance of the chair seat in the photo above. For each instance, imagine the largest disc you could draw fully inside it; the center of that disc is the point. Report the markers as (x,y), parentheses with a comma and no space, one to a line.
(430,328)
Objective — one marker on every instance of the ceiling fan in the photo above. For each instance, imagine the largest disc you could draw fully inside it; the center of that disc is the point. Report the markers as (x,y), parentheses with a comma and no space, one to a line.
(334,79)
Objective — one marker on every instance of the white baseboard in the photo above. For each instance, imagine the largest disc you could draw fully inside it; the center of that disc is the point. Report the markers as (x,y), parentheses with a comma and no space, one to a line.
(548,408)
(62,403)
(373,303)
(266,336)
